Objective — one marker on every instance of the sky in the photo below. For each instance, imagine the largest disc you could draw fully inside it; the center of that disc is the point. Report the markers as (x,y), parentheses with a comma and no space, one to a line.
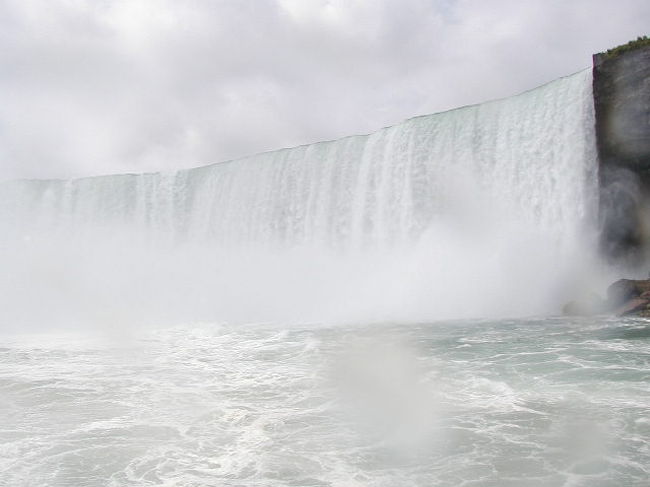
(92,87)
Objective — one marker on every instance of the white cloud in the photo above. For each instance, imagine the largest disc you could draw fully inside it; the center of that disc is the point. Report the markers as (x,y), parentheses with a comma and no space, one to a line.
(89,87)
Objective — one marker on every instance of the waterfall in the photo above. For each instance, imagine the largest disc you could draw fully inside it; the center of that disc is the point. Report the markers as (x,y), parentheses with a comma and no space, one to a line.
(416,216)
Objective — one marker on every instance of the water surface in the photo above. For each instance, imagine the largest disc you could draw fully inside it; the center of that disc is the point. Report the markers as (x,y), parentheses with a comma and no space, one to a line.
(545,402)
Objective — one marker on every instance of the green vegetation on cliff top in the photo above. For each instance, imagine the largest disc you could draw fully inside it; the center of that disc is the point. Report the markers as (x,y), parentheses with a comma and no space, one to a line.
(630,46)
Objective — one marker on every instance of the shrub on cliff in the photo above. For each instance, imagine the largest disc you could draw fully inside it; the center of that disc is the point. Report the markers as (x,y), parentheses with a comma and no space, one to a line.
(630,46)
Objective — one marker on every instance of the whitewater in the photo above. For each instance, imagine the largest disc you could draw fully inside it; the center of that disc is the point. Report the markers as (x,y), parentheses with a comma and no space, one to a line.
(541,402)
(379,310)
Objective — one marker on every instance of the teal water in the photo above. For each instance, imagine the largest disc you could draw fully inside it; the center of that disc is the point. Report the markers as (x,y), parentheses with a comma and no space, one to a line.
(536,402)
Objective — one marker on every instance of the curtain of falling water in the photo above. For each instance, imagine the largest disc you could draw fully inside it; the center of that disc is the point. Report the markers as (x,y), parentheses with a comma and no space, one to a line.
(483,175)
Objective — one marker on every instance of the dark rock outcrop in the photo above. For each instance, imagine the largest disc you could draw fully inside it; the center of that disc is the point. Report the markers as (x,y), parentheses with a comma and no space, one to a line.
(629,297)
(625,297)
(625,289)
(621,86)
(632,306)
(622,104)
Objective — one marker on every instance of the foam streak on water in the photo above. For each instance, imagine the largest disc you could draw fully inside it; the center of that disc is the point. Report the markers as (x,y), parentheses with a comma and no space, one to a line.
(508,403)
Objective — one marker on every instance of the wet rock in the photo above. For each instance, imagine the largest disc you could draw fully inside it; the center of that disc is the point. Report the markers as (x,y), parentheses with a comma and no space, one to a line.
(622,103)
(621,291)
(625,297)
(644,313)
(632,306)
(624,290)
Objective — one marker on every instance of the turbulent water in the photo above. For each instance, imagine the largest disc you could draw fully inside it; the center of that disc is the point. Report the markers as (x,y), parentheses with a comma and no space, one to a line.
(545,402)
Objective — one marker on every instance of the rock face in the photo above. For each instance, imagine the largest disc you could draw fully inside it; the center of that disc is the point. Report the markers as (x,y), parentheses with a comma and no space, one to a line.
(625,297)
(635,306)
(624,290)
(622,104)
(629,297)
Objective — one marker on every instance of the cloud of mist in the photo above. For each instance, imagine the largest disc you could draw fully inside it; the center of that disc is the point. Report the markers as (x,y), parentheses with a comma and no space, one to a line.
(106,278)
(128,86)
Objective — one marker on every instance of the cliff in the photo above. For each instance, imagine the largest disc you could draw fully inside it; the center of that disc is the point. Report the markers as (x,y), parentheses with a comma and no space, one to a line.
(621,84)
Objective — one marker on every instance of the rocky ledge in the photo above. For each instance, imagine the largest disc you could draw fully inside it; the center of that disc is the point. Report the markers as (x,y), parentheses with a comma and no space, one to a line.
(625,297)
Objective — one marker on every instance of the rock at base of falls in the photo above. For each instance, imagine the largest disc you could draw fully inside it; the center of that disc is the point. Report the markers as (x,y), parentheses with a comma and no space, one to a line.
(625,297)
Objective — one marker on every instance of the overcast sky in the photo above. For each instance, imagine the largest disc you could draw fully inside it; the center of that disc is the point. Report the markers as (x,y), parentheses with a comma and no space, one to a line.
(99,86)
